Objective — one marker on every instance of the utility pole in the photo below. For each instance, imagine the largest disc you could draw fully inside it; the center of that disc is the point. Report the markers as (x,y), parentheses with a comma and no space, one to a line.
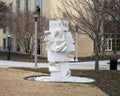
(9,46)
(35,59)
(76,58)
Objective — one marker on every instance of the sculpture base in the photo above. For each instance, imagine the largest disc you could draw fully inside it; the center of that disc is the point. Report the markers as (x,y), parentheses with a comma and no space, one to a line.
(59,71)
(72,79)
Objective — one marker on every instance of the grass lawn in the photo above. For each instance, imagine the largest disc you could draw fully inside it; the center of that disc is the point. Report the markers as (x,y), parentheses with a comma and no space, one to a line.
(107,81)
(13,83)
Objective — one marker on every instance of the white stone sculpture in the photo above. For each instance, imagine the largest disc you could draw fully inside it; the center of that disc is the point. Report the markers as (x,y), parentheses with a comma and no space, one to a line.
(60,49)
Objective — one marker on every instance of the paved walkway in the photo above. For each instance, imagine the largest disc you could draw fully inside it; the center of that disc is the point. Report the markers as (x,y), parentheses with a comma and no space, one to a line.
(74,65)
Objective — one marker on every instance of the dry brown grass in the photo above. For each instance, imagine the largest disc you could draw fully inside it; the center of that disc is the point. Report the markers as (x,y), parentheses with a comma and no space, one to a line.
(12,83)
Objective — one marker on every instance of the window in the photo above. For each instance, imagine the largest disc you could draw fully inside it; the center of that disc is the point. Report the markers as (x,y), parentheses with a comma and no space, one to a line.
(109,44)
(17,45)
(118,44)
(4,43)
(39,47)
(27,45)
(11,6)
(28,5)
(18,5)
(4,30)
(105,4)
(39,5)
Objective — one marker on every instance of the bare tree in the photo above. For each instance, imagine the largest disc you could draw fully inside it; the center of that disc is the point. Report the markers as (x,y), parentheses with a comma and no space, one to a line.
(88,15)
(4,10)
(23,30)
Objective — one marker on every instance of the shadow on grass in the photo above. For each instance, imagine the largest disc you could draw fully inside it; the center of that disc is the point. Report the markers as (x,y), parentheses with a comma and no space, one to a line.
(27,58)
(108,81)
(21,57)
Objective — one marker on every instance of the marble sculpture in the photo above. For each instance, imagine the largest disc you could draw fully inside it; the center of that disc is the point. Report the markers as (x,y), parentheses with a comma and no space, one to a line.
(60,49)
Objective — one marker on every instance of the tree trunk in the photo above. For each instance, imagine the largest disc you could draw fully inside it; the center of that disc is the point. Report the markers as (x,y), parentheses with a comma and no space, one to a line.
(96,31)
(96,55)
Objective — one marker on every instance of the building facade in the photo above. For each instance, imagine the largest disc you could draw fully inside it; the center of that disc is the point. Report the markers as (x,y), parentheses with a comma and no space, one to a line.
(48,8)
(111,26)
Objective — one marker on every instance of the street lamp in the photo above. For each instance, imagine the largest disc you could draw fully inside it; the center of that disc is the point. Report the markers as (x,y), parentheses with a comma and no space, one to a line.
(9,46)
(35,58)
(76,58)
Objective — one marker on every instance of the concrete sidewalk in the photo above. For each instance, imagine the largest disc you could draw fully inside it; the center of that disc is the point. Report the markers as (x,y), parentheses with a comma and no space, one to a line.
(74,65)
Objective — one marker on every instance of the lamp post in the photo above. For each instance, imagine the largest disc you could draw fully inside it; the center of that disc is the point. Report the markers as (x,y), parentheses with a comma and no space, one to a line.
(35,58)
(9,46)
(76,58)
